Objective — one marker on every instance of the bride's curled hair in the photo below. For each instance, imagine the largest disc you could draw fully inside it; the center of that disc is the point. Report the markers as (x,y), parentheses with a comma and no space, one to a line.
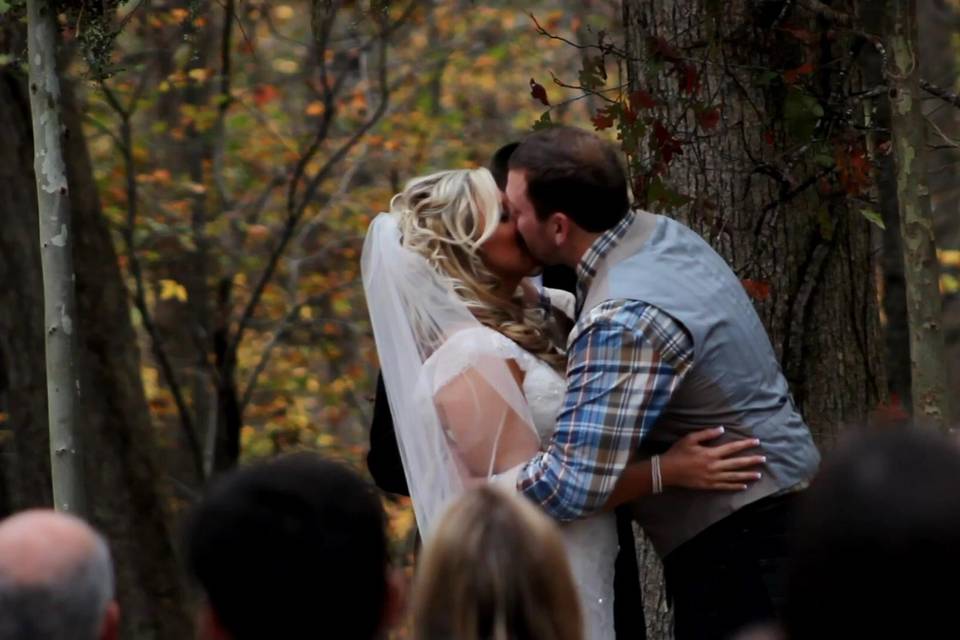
(446,217)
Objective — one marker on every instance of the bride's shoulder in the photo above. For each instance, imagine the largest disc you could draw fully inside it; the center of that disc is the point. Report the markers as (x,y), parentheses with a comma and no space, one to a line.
(481,341)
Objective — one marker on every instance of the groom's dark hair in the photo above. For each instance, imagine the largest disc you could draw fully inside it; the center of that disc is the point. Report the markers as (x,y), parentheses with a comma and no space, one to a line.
(500,164)
(573,171)
(291,548)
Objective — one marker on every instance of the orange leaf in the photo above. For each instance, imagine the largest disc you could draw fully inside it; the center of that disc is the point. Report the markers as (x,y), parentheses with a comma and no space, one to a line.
(792,75)
(264,93)
(757,290)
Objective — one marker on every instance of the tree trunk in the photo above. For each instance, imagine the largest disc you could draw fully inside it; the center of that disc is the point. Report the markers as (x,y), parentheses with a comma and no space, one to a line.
(894,291)
(121,475)
(754,191)
(921,269)
(56,257)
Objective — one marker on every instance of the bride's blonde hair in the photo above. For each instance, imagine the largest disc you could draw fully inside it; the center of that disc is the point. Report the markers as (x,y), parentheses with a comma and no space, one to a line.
(446,217)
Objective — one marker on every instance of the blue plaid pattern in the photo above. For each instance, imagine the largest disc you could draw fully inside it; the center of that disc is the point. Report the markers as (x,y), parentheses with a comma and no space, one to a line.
(626,359)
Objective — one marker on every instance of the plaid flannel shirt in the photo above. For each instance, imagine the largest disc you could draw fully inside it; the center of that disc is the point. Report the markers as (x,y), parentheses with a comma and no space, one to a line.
(625,360)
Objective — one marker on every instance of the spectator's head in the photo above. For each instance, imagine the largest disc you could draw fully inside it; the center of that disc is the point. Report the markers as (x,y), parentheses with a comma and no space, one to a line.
(56,579)
(878,541)
(565,185)
(291,548)
(495,568)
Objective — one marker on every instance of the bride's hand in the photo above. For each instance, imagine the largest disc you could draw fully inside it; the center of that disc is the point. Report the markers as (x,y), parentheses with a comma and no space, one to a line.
(691,464)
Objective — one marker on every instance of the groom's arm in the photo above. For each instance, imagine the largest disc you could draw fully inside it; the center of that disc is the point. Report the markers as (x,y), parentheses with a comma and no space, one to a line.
(623,367)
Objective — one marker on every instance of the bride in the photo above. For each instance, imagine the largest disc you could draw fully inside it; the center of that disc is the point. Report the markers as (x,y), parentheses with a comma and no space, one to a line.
(472,356)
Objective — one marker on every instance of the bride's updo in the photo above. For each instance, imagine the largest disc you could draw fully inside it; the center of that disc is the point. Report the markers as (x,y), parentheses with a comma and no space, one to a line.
(446,217)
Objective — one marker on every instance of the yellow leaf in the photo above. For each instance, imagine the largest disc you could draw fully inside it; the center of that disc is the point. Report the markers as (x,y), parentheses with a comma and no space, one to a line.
(199,74)
(313,385)
(325,440)
(283,65)
(283,12)
(949,257)
(172,289)
(306,312)
(949,284)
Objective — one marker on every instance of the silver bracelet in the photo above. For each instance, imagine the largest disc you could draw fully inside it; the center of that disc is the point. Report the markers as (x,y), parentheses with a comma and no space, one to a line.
(657,478)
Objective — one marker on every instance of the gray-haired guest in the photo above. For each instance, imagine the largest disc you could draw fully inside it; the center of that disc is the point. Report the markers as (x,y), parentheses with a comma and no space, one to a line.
(56,579)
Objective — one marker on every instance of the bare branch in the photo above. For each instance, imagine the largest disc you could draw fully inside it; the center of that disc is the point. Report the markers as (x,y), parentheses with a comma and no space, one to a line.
(296,211)
(139,294)
(947,96)
(838,18)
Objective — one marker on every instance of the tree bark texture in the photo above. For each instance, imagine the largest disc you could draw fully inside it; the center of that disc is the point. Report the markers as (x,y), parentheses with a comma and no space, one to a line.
(802,248)
(122,477)
(921,268)
(56,257)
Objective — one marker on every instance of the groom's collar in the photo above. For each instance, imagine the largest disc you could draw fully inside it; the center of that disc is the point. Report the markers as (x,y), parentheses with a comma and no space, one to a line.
(587,267)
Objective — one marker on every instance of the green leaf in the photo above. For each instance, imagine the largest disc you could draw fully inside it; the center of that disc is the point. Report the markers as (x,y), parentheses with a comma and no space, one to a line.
(593,74)
(873,217)
(658,192)
(824,160)
(826,223)
(544,122)
(764,78)
(801,113)
(4,6)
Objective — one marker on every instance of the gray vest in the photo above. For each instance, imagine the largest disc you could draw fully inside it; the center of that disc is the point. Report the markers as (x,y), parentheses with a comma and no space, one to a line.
(735,380)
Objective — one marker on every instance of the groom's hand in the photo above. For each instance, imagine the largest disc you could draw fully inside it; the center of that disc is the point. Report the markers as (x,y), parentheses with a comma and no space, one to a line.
(692,464)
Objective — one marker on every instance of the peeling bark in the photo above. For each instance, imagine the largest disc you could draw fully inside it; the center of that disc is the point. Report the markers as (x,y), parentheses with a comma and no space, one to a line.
(921,268)
(63,382)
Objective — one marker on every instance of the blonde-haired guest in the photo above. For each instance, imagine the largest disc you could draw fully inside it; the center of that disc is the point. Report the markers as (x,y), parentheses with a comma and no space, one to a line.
(495,569)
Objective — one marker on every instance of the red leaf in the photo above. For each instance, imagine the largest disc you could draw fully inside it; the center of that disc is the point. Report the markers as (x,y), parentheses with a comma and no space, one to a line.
(689,79)
(264,93)
(660,48)
(853,168)
(800,34)
(768,137)
(538,92)
(640,99)
(665,143)
(889,414)
(708,118)
(757,290)
(602,120)
(792,75)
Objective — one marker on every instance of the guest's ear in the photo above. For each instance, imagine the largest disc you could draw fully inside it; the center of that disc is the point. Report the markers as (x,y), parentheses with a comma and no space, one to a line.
(110,626)
(395,605)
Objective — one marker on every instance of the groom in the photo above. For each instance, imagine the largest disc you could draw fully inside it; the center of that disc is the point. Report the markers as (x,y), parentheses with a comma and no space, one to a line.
(666,342)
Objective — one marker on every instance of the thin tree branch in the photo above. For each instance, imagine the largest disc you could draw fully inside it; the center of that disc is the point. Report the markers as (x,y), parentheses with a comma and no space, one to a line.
(280,332)
(139,294)
(296,211)
(947,96)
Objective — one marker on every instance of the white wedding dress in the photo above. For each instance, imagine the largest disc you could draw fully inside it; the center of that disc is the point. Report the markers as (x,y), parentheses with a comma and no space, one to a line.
(591,543)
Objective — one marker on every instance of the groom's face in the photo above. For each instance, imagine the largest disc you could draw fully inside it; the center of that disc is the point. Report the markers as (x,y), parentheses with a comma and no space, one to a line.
(536,233)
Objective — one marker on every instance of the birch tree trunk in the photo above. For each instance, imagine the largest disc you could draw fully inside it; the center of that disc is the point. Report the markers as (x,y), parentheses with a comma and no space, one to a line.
(921,269)
(63,383)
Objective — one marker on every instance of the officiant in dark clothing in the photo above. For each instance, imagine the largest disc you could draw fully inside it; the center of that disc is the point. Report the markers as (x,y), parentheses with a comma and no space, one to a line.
(386,468)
